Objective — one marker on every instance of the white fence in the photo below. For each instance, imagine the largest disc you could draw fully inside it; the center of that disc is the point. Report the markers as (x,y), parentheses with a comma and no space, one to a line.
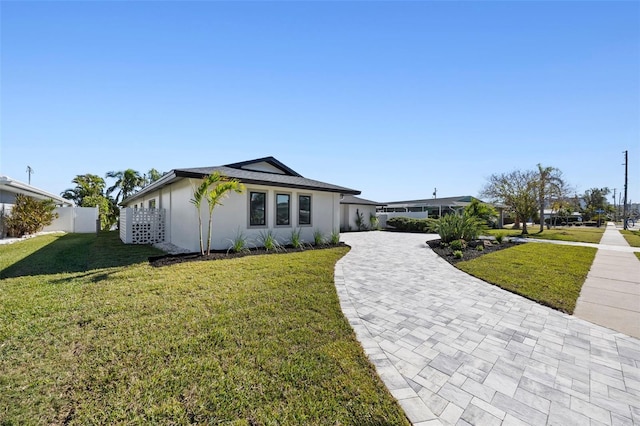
(81,220)
(142,226)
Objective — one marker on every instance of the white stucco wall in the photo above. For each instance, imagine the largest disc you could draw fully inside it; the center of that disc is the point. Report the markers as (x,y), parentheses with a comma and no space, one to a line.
(82,220)
(232,217)
(348,215)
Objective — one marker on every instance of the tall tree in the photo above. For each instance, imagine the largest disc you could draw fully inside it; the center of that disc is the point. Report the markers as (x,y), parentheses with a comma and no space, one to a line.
(153,175)
(549,183)
(518,190)
(126,183)
(595,200)
(87,186)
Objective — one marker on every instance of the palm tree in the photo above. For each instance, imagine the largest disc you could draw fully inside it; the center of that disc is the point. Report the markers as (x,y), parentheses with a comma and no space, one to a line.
(222,187)
(549,182)
(126,183)
(199,194)
(214,197)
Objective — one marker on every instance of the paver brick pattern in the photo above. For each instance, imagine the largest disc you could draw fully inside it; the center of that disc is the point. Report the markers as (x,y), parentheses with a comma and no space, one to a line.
(455,350)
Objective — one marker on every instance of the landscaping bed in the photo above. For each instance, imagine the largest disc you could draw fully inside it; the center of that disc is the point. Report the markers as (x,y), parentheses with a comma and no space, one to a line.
(172,259)
(471,250)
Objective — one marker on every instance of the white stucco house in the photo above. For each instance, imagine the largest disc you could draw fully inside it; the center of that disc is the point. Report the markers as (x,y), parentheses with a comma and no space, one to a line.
(276,199)
(351,206)
(9,188)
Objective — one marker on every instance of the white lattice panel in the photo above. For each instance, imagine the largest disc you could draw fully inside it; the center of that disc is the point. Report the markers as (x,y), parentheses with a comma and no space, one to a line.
(144,226)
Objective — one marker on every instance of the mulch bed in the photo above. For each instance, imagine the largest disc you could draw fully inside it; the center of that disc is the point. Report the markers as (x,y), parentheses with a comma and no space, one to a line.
(172,259)
(471,251)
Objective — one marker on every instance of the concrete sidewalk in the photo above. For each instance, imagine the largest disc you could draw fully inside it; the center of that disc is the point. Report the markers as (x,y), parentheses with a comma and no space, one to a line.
(610,295)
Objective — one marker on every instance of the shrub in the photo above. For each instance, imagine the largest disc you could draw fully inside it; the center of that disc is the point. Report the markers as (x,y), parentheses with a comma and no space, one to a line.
(499,238)
(455,227)
(480,247)
(457,254)
(409,224)
(457,245)
(29,215)
(374,222)
(335,238)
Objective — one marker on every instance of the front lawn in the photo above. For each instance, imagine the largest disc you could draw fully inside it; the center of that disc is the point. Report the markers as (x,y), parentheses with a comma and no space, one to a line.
(632,237)
(582,234)
(549,274)
(90,333)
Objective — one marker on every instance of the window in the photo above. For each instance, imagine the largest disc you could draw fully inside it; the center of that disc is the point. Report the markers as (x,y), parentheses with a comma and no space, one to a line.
(152,204)
(257,209)
(304,210)
(283,209)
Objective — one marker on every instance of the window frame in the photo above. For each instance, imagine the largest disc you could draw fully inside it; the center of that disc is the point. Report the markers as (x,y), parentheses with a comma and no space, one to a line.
(249,205)
(275,215)
(300,210)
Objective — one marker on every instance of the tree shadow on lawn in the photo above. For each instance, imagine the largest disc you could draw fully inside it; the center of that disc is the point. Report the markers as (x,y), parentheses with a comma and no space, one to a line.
(79,253)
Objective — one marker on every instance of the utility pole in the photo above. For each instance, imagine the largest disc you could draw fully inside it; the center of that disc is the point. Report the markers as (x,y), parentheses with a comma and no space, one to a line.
(435,192)
(626,175)
(615,209)
(29,172)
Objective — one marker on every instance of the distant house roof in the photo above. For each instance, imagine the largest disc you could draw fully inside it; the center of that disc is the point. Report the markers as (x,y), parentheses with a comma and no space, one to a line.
(261,171)
(350,199)
(460,201)
(17,187)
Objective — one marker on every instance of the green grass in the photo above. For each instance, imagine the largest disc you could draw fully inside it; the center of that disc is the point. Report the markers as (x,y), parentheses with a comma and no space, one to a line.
(583,234)
(90,333)
(632,237)
(546,273)
(637,253)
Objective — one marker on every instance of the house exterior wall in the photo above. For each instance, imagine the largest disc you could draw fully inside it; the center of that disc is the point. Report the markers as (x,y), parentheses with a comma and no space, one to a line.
(232,217)
(348,215)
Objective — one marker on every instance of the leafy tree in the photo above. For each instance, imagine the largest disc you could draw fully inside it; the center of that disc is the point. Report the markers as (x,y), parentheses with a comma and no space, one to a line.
(126,183)
(29,215)
(518,190)
(595,199)
(549,183)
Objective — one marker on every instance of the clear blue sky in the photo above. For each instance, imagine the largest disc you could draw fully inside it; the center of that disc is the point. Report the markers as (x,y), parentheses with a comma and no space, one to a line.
(390,98)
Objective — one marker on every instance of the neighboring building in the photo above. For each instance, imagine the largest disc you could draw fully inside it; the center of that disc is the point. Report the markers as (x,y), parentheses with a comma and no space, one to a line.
(432,207)
(9,188)
(277,199)
(351,206)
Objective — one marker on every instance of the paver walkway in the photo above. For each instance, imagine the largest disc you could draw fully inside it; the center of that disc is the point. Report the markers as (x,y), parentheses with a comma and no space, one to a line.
(456,350)
(610,295)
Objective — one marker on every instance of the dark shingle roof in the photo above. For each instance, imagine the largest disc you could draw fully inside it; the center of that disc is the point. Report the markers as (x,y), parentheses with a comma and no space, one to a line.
(350,199)
(285,178)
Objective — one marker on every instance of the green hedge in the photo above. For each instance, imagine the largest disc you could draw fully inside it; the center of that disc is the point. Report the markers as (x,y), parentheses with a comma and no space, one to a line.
(409,224)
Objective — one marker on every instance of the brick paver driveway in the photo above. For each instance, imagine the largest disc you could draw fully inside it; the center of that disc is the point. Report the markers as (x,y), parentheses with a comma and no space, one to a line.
(456,350)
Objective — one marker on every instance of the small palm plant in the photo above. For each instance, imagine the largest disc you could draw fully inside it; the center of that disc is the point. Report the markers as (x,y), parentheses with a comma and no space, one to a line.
(335,238)
(318,238)
(270,242)
(239,244)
